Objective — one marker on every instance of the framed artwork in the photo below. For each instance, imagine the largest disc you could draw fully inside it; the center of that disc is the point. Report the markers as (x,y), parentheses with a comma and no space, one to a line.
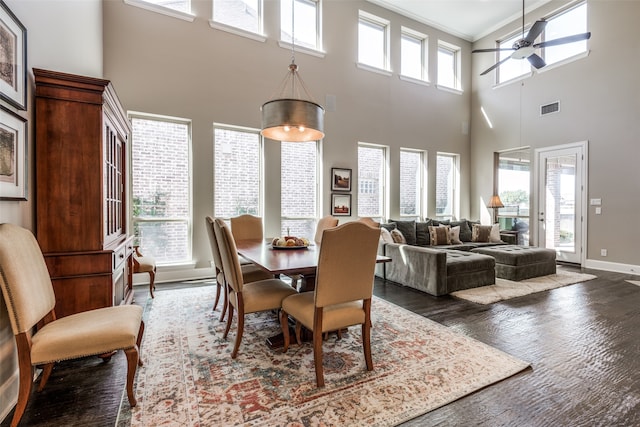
(341,204)
(13,59)
(13,156)
(340,179)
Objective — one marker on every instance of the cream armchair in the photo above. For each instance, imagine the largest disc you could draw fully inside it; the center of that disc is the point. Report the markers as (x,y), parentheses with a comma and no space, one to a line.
(29,297)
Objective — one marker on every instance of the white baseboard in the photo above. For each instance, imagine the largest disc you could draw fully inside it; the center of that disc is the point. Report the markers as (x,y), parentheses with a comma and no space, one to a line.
(612,266)
(165,275)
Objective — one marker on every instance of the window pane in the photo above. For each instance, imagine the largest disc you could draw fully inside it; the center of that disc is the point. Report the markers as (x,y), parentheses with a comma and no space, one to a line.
(573,21)
(514,175)
(446,67)
(298,183)
(237,173)
(161,188)
(445,185)
(412,58)
(410,182)
(305,21)
(371,181)
(243,14)
(181,5)
(514,67)
(371,44)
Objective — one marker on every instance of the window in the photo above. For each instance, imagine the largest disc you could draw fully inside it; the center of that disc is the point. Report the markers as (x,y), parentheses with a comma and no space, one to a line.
(566,23)
(373,41)
(512,68)
(514,180)
(298,188)
(306,23)
(448,65)
(411,182)
(161,177)
(371,181)
(446,186)
(413,49)
(237,162)
(243,14)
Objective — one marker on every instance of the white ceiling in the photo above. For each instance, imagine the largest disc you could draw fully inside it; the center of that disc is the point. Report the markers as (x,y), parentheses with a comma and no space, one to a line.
(468,19)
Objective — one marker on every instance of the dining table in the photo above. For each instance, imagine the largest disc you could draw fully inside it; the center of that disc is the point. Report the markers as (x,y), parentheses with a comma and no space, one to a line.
(301,261)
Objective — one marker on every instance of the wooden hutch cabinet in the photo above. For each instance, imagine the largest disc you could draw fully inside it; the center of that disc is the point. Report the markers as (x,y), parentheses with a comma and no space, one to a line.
(81,142)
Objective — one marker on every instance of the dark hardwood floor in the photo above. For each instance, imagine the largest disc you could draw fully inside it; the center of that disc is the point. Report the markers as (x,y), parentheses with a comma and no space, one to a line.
(583,343)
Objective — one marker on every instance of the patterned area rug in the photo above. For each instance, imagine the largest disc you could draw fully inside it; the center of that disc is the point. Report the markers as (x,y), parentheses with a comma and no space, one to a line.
(507,289)
(189,378)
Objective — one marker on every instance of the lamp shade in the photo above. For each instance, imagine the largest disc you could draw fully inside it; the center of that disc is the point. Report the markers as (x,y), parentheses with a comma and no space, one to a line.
(290,119)
(495,202)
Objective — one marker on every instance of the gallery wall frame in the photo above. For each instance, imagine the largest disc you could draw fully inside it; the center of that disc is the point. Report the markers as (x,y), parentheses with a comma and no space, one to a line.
(341,204)
(13,59)
(13,156)
(340,179)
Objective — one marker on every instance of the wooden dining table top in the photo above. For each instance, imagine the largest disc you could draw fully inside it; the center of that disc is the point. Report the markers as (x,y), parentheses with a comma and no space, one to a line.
(284,261)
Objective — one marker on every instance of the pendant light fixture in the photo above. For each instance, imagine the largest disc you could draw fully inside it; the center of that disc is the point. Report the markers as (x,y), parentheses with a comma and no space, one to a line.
(293,116)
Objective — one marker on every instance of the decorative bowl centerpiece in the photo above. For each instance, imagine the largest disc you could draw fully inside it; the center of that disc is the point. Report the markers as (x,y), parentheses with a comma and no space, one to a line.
(289,242)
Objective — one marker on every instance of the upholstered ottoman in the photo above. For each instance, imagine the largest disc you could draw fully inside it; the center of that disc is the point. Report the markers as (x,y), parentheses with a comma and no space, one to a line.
(467,270)
(521,262)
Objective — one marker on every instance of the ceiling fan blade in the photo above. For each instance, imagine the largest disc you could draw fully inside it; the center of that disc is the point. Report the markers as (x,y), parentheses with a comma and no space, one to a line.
(535,31)
(536,61)
(494,66)
(495,49)
(563,40)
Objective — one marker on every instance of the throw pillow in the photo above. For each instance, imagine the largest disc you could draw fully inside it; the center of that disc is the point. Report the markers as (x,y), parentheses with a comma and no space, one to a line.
(408,230)
(386,236)
(440,235)
(390,226)
(455,235)
(397,236)
(422,233)
(485,233)
(465,230)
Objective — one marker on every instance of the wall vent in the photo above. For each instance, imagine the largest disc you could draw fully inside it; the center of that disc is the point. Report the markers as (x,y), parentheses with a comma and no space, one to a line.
(554,107)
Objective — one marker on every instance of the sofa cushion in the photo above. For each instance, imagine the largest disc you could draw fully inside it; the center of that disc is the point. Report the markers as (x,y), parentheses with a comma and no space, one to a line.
(465,230)
(422,233)
(485,233)
(440,235)
(389,226)
(455,235)
(385,235)
(408,230)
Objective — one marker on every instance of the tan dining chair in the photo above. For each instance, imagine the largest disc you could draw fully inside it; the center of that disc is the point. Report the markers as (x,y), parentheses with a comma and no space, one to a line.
(246,298)
(370,222)
(247,227)
(323,223)
(30,300)
(250,272)
(145,264)
(343,292)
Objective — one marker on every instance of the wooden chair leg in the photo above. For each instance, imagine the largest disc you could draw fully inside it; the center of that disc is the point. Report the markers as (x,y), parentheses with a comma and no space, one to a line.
(25,378)
(366,335)
(298,333)
(215,302)
(152,279)
(139,342)
(229,318)
(317,357)
(132,364)
(284,324)
(225,302)
(239,333)
(46,373)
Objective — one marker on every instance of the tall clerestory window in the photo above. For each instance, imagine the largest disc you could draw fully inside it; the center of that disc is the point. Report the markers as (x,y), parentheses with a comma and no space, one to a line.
(161,183)
(373,41)
(245,15)
(413,50)
(306,15)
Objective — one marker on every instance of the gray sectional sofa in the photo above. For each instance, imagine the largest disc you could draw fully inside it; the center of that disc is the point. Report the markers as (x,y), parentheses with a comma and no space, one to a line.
(436,270)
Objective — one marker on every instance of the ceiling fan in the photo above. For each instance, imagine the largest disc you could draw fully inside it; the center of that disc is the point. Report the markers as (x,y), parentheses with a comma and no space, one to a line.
(525,48)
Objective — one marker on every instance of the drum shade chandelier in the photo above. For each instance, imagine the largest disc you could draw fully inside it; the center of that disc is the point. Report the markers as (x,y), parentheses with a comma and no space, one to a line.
(293,115)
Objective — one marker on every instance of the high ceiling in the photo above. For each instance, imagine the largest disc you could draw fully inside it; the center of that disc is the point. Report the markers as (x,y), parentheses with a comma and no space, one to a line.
(467,19)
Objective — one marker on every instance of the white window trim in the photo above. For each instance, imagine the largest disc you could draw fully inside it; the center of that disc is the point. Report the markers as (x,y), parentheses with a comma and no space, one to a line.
(424,60)
(161,10)
(302,49)
(257,36)
(362,15)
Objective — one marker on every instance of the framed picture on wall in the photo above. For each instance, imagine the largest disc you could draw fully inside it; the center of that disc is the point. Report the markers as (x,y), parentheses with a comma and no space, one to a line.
(13,59)
(341,204)
(13,156)
(340,179)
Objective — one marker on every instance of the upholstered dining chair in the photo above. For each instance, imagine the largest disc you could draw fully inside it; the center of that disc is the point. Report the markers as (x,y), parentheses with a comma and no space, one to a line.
(343,292)
(250,272)
(246,298)
(30,300)
(370,222)
(145,264)
(247,227)
(325,222)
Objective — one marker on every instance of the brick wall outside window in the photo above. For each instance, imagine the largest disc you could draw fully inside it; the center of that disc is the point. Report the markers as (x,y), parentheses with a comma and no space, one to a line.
(370,181)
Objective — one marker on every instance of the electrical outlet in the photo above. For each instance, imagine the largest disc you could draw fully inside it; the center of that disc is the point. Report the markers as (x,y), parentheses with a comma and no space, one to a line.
(603,252)
(598,210)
